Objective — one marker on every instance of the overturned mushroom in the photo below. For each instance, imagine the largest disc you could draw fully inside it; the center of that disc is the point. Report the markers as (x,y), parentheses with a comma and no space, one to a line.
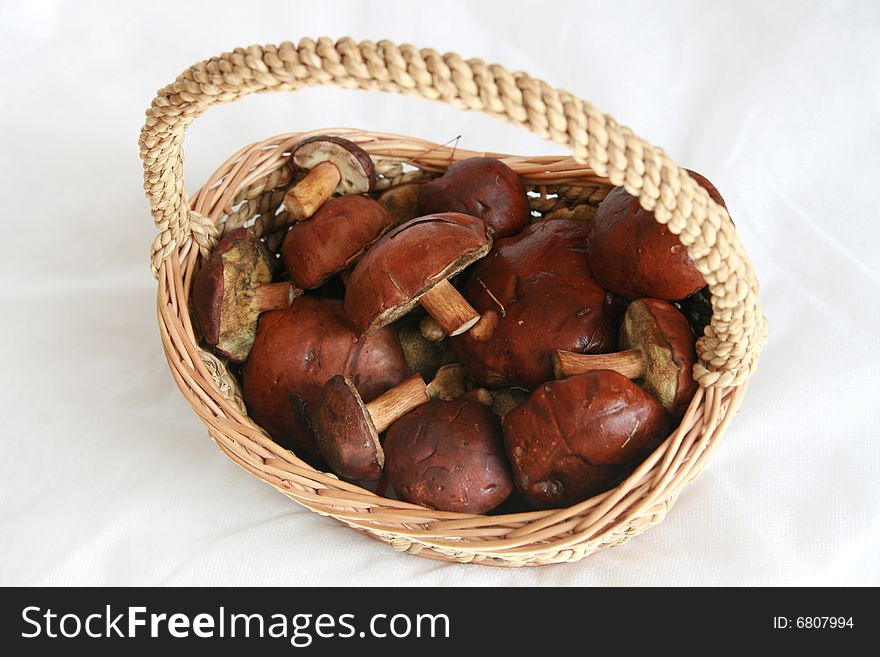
(296,350)
(334,165)
(483,187)
(577,437)
(658,348)
(537,295)
(333,239)
(633,256)
(232,289)
(448,456)
(410,265)
(347,430)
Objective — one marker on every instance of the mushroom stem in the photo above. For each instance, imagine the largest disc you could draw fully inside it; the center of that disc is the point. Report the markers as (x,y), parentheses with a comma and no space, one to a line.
(446,305)
(631,363)
(309,194)
(274,296)
(482,330)
(392,405)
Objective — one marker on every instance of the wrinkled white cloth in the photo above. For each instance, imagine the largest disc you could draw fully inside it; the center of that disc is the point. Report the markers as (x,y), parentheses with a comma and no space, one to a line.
(107,477)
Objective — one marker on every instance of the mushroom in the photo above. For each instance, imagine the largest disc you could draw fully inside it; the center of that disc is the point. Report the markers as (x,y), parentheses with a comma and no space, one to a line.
(448,456)
(410,265)
(402,200)
(296,350)
(334,165)
(537,295)
(483,187)
(633,256)
(577,437)
(333,239)
(658,348)
(232,289)
(347,430)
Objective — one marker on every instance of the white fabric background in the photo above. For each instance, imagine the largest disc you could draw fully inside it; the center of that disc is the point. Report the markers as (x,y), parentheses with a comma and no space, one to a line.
(107,477)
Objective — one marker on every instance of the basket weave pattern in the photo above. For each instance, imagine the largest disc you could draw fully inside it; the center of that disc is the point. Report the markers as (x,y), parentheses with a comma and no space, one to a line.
(248,190)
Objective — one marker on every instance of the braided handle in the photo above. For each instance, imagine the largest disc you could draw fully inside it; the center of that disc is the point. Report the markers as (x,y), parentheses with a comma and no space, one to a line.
(729,349)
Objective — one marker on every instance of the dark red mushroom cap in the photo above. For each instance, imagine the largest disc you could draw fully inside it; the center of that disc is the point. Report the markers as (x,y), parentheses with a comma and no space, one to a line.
(448,455)
(297,350)
(344,432)
(483,187)
(574,438)
(333,239)
(633,256)
(407,262)
(540,285)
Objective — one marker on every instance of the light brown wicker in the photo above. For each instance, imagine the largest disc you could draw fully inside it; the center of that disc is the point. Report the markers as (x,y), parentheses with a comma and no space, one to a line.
(248,189)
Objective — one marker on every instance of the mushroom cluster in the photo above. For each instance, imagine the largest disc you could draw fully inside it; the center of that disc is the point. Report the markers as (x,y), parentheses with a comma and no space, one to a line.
(443,339)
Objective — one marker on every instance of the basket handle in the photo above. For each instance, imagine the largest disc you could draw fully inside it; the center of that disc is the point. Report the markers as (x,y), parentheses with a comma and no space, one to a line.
(728,350)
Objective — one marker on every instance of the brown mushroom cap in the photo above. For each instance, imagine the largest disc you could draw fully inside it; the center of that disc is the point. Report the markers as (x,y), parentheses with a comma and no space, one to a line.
(408,262)
(356,169)
(448,455)
(540,284)
(633,256)
(333,238)
(222,288)
(297,350)
(664,337)
(483,187)
(344,432)
(575,438)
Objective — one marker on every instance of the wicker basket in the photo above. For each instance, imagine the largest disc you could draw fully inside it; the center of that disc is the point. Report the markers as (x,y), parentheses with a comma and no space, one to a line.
(248,189)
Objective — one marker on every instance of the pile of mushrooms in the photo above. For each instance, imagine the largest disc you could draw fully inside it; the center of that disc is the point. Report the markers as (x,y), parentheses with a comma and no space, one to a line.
(444,340)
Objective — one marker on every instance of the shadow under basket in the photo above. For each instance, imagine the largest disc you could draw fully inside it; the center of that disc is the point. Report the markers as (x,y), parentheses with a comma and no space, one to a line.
(247,190)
